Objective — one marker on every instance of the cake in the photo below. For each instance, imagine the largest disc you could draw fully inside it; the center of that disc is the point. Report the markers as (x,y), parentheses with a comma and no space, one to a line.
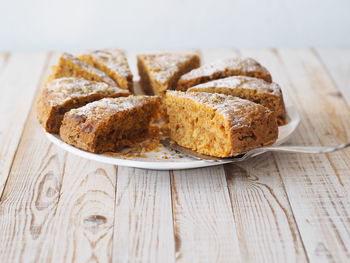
(217,124)
(253,89)
(113,62)
(222,69)
(109,124)
(61,95)
(71,66)
(160,72)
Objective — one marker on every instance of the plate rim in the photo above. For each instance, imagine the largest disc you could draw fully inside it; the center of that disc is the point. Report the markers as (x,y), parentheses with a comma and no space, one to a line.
(55,139)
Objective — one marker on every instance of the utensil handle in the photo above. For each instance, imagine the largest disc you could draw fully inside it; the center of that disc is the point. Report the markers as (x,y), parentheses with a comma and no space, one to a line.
(305,149)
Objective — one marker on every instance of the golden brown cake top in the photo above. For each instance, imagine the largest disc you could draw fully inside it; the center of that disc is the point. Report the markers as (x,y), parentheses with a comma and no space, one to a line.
(241,64)
(164,66)
(103,109)
(114,59)
(60,90)
(238,112)
(241,82)
(88,68)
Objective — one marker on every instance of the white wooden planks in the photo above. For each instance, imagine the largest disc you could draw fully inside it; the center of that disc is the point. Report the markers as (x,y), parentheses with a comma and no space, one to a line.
(82,227)
(52,211)
(143,230)
(266,228)
(19,80)
(337,63)
(29,200)
(317,186)
(205,230)
(196,194)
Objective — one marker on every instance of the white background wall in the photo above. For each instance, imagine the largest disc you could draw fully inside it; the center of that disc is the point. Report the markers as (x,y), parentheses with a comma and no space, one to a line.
(76,24)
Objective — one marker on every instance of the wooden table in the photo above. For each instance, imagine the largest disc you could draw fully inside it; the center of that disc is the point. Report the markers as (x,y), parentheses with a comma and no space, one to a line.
(56,207)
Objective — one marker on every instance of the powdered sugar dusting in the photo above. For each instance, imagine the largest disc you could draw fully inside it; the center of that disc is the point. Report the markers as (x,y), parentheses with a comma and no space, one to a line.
(164,66)
(237,111)
(89,68)
(114,59)
(101,109)
(63,89)
(241,82)
(243,65)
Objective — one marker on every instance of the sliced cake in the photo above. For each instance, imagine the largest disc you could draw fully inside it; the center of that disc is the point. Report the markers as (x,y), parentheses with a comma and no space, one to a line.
(217,124)
(109,124)
(113,62)
(253,89)
(61,95)
(71,66)
(160,72)
(222,69)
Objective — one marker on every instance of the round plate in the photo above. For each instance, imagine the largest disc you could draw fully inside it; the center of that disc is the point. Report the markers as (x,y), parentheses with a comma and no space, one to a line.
(165,159)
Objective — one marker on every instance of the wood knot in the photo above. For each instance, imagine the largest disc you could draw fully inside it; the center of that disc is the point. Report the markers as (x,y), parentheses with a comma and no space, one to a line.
(51,192)
(95,220)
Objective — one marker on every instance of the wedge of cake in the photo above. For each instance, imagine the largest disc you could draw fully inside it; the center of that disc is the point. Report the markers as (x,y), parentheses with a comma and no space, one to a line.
(61,95)
(71,66)
(217,124)
(160,72)
(113,62)
(222,69)
(253,89)
(109,124)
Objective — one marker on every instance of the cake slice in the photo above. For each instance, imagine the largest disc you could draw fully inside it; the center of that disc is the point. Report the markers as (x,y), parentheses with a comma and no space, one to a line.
(253,89)
(217,124)
(71,66)
(222,69)
(160,72)
(113,62)
(109,124)
(63,94)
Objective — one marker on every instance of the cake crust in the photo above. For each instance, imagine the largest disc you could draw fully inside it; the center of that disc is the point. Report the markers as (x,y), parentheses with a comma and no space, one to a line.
(71,66)
(114,63)
(109,124)
(160,72)
(222,69)
(253,89)
(217,124)
(61,95)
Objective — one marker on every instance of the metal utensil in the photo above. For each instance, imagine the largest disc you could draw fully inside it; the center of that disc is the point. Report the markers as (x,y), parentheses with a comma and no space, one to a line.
(257,151)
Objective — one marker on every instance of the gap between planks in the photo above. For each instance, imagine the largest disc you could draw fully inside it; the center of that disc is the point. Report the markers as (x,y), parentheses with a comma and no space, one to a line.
(336,62)
(13,121)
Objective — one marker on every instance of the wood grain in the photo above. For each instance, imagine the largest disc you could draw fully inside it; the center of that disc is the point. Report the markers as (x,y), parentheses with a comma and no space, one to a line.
(196,194)
(19,79)
(266,228)
(199,237)
(82,228)
(264,219)
(317,185)
(337,63)
(30,197)
(78,210)
(143,230)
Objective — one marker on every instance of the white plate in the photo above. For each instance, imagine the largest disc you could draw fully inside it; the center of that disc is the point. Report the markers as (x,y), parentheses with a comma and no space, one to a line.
(165,159)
